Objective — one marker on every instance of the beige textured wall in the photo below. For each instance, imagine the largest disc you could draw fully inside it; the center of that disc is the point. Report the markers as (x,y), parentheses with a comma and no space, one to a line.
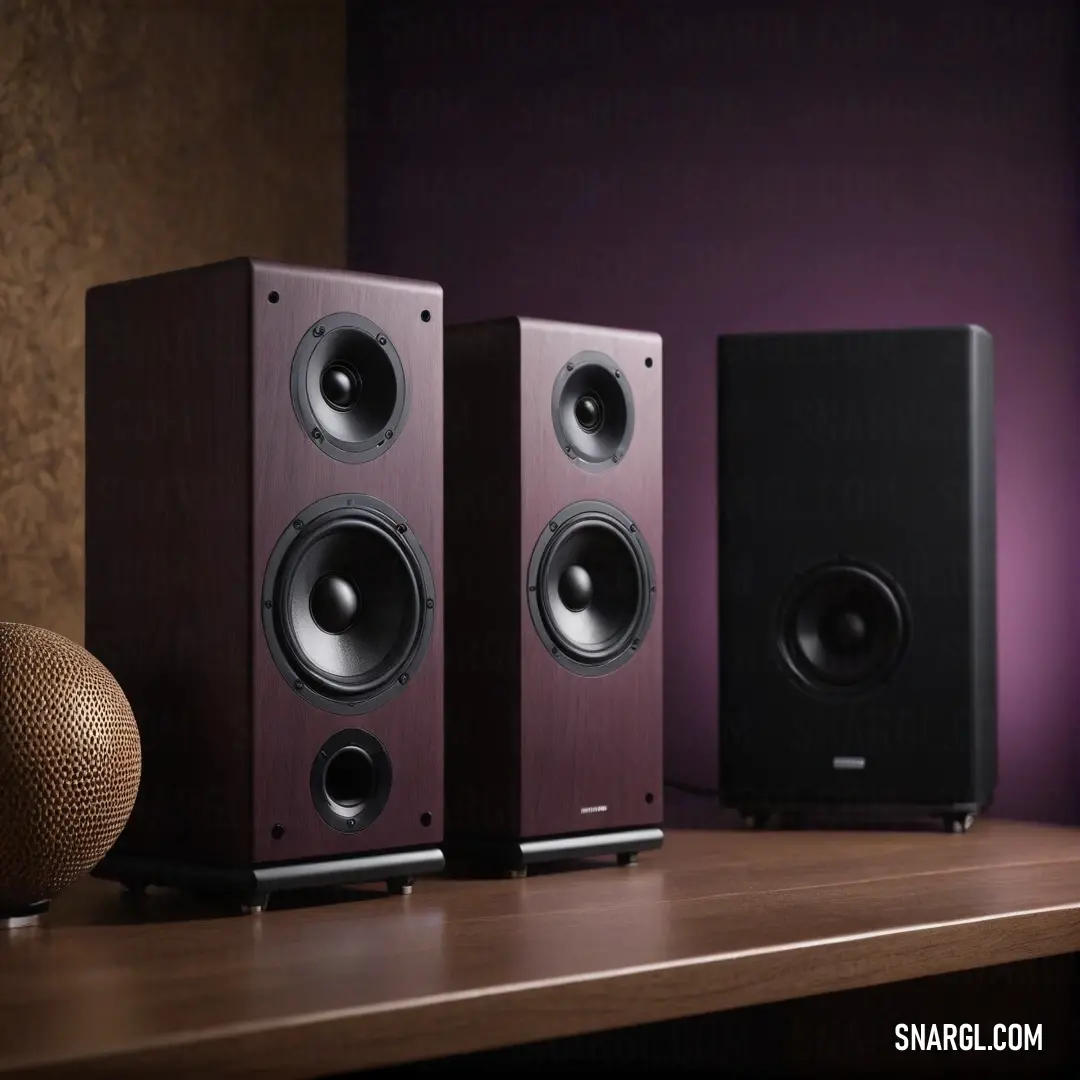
(138,136)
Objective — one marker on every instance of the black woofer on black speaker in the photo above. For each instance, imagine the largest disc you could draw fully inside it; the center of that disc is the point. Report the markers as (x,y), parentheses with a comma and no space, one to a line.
(348,388)
(592,408)
(843,627)
(351,780)
(347,604)
(591,588)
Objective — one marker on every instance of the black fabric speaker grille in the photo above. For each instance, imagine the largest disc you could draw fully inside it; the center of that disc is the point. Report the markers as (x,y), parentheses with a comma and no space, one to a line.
(869,450)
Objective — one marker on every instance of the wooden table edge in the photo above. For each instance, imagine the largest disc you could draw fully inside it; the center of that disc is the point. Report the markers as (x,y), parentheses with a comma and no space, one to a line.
(488,1018)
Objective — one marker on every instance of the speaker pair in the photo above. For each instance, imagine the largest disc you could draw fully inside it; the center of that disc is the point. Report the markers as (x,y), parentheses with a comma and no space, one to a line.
(310,681)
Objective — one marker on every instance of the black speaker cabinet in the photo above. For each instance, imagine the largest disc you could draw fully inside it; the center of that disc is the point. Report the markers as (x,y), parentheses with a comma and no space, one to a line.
(857,574)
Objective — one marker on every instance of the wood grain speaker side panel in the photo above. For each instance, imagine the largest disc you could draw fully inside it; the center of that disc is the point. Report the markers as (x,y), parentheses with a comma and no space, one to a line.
(483,545)
(168,436)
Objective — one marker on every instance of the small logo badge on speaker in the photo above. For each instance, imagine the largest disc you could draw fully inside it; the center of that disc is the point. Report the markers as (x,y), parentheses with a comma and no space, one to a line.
(849,763)
(594,809)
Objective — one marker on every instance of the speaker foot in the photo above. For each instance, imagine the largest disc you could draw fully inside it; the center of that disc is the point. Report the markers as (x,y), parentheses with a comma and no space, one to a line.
(959,823)
(399,886)
(626,858)
(521,872)
(253,886)
(255,904)
(23,917)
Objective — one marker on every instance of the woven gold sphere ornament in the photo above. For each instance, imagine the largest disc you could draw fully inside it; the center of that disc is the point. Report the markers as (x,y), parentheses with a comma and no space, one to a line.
(70,763)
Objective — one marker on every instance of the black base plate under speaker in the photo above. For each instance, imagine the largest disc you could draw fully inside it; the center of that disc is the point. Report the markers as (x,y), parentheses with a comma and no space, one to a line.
(24,916)
(253,886)
(957,817)
(516,856)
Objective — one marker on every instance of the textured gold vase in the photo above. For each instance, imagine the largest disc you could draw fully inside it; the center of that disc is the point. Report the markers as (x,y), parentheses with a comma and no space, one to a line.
(70,763)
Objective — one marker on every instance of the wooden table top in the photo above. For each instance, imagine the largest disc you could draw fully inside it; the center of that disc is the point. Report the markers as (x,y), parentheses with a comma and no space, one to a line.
(716,920)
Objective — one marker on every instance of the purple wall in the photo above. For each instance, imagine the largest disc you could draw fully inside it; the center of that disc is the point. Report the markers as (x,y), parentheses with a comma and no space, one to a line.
(764,166)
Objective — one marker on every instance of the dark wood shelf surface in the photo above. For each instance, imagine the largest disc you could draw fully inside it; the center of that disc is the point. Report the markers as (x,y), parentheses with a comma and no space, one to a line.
(716,920)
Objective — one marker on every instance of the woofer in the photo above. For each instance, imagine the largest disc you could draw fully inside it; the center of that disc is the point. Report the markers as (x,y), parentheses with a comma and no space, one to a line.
(843,628)
(350,780)
(347,600)
(592,409)
(591,588)
(348,388)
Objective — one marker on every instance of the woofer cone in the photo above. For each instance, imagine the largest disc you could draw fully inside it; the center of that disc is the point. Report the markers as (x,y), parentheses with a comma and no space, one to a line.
(592,410)
(843,627)
(350,780)
(348,388)
(591,588)
(347,604)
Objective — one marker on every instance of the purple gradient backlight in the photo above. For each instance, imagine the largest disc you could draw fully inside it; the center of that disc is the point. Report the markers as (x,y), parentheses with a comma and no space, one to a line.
(717,168)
